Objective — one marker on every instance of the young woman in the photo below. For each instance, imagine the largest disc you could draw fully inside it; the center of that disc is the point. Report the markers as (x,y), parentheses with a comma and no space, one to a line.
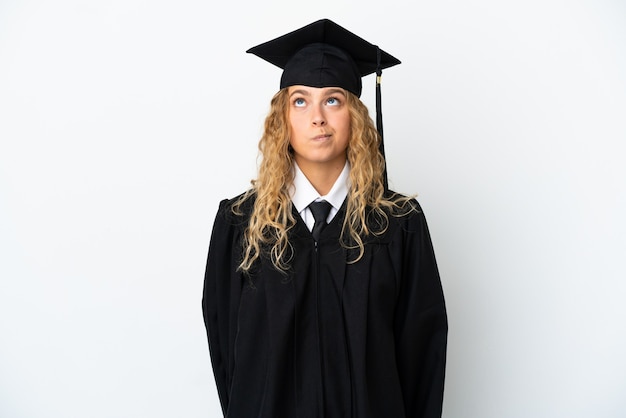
(322,296)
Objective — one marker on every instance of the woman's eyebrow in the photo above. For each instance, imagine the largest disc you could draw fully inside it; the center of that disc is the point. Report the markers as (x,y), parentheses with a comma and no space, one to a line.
(335,91)
(303,92)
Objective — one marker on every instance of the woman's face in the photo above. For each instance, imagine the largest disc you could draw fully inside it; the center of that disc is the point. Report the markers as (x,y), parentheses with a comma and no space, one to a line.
(320,126)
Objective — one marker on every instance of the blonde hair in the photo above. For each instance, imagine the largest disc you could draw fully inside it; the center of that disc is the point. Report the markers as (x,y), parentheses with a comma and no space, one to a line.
(367,204)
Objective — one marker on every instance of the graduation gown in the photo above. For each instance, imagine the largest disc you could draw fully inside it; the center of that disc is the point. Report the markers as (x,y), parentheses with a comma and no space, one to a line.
(329,338)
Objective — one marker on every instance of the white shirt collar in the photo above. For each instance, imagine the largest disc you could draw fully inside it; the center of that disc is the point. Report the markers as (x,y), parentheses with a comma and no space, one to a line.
(302,191)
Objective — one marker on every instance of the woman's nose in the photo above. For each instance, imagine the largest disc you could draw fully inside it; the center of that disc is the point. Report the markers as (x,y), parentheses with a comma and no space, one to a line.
(318,117)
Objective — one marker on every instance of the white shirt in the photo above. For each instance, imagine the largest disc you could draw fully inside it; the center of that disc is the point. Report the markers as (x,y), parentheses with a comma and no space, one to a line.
(302,193)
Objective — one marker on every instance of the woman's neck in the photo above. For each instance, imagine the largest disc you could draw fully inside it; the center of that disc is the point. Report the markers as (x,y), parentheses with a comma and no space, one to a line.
(322,176)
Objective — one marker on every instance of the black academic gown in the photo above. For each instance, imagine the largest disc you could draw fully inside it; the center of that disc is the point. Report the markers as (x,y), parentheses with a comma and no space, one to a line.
(330,338)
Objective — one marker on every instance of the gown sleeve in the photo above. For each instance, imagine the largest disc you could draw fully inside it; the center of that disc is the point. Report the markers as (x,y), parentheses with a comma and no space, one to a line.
(421,325)
(220,300)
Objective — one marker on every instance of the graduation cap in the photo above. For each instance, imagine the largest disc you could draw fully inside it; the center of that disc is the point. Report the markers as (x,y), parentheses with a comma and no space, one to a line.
(324,54)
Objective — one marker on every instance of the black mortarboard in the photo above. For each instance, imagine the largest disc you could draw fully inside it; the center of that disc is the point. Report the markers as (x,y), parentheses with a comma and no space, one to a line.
(324,54)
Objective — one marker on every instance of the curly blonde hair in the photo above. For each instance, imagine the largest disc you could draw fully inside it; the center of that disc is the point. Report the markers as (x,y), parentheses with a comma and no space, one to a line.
(368,203)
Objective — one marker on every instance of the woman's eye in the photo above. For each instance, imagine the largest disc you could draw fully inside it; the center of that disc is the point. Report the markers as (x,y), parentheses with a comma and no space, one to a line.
(299,102)
(332,101)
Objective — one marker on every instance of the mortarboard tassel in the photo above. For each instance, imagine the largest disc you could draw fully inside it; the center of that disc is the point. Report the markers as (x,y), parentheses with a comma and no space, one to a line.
(379,114)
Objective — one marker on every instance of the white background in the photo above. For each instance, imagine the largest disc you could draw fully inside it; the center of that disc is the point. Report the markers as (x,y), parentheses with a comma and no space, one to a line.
(124,122)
